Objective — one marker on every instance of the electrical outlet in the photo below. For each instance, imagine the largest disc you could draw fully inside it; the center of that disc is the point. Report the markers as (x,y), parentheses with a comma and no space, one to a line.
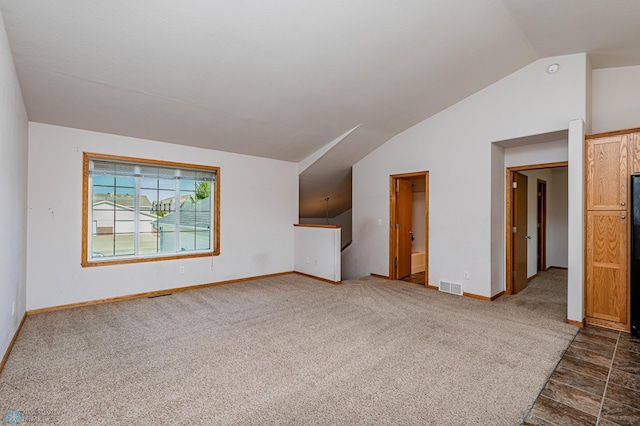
(181,270)
(466,275)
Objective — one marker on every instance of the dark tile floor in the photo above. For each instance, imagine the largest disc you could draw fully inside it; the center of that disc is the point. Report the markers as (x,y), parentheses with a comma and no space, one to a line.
(597,382)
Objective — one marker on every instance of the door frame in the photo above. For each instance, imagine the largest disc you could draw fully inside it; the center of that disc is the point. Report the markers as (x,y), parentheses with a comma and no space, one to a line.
(541,220)
(392,221)
(509,215)
(520,240)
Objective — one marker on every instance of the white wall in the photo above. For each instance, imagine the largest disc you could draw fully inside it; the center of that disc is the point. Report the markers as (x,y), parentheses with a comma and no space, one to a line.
(498,255)
(455,145)
(258,206)
(616,95)
(575,207)
(343,220)
(418,226)
(540,153)
(317,252)
(558,219)
(13,192)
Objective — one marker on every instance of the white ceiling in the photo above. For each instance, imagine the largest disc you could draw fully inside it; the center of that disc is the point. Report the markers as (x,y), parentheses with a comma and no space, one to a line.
(281,79)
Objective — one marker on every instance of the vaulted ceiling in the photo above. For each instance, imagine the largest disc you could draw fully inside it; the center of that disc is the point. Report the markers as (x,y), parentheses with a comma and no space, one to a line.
(283,79)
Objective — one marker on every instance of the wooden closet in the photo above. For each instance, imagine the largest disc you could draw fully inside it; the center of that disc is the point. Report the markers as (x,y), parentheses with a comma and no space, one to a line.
(611,158)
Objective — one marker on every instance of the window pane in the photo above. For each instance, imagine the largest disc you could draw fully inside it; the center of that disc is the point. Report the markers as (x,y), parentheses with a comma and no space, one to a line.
(187,240)
(123,214)
(124,245)
(148,183)
(163,201)
(204,205)
(124,227)
(103,181)
(125,190)
(187,185)
(203,240)
(103,218)
(102,245)
(125,182)
(148,198)
(148,243)
(103,190)
(166,241)
(187,197)
(203,190)
(167,184)
(147,222)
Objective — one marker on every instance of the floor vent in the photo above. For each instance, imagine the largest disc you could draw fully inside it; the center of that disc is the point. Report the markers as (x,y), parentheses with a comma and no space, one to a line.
(453,288)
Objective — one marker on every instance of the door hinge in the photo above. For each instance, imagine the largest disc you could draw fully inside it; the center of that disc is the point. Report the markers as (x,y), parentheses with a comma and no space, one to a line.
(397,189)
(539,194)
(515,185)
(397,226)
(539,226)
(395,262)
(515,229)
(514,274)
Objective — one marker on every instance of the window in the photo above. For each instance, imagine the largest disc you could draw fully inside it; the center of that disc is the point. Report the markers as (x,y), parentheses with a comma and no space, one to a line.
(138,210)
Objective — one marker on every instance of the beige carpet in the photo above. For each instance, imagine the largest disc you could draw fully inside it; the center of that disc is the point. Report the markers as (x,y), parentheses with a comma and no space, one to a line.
(287,350)
(545,294)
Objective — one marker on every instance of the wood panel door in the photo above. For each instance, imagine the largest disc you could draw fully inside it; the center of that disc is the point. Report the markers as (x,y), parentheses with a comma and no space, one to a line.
(606,295)
(404,213)
(607,173)
(520,236)
(634,145)
(542,226)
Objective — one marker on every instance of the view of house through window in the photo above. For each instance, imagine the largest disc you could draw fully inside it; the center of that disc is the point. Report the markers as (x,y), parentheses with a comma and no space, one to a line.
(139,210)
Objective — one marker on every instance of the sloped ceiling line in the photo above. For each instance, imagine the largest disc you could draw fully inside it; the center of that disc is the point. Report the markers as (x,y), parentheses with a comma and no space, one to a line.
(310,160)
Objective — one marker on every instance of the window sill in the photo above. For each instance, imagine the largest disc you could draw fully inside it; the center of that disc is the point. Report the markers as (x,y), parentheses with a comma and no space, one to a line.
(122,261)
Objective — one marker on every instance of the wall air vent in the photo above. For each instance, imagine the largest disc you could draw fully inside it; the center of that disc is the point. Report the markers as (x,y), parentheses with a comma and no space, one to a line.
(449,287)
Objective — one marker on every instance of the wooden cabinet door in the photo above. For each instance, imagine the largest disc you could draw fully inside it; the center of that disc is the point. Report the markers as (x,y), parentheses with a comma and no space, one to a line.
(606,293)
(634,146)
(607,173)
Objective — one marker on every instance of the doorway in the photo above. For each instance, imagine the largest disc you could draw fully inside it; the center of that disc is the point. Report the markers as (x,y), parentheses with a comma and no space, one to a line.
(409,227)
(541,225)
(518,229)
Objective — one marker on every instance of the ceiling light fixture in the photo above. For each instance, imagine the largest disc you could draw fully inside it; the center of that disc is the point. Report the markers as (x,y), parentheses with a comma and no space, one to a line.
(553,68)
(327,200)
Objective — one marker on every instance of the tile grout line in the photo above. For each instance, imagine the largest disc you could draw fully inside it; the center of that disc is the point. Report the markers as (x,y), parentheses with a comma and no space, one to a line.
(606,384)
(528,413)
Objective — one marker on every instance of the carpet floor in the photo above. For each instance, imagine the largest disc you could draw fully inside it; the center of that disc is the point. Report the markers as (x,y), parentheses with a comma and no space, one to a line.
(289,350)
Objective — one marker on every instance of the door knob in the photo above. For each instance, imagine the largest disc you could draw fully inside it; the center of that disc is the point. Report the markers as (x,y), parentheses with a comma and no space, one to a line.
(622,203)
(623,217)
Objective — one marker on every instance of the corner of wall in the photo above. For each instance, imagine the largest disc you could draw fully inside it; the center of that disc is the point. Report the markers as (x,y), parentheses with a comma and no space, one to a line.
(497,219)
(589,96)
(575,277)
(13,171)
